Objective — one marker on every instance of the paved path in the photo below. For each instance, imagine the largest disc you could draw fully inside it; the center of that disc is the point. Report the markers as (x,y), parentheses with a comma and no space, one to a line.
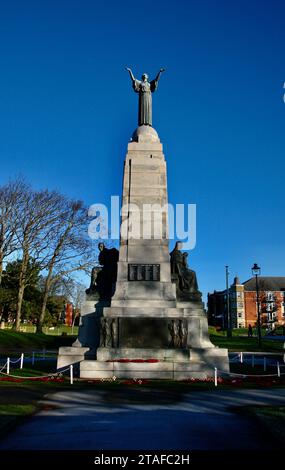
(140,419)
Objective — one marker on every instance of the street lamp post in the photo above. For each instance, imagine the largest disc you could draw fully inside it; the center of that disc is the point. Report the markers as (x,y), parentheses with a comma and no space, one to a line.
(256,272)
(229,322)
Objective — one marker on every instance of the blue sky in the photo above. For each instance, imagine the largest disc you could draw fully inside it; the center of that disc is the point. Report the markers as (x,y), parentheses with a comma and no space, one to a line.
(67,111)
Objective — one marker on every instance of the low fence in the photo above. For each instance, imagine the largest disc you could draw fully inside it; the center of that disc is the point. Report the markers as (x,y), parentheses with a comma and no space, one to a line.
(9,363)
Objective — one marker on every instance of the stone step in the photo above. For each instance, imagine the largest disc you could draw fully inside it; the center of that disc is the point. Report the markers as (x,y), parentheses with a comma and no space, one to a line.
(131,370)
(68,355)
(169,354)
(144,311)
(137,303)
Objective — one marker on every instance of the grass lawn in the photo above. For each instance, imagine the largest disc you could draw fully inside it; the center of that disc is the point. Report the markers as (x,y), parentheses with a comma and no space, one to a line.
(56,330)
(11,415)
(241,342)
(16,341)
(271,418)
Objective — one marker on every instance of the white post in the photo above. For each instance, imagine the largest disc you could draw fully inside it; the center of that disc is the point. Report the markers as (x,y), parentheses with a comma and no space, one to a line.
(241,357)
(22,361)
(278,369)
(8,365)
(252,360)
(264,364)
(71,374)
(216,377)
(33,358)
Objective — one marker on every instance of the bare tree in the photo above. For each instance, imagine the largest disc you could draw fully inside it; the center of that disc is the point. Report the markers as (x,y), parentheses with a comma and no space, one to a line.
(75,291)
(70,249)
(10,199)
(36,215)
(46,230)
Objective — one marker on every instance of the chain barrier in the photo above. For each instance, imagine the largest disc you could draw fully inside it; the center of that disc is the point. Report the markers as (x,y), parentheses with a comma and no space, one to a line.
(250,375)
(15,362)
(234,358)
(5,365)
(55,374)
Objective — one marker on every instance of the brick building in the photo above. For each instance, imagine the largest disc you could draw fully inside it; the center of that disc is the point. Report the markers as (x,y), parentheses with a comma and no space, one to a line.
(243,306)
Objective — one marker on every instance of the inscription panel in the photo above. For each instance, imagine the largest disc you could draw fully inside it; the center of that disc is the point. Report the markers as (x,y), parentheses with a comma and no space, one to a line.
(144,272)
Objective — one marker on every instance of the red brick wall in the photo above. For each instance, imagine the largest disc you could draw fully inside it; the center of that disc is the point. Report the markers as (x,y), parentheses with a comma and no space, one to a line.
(251,310)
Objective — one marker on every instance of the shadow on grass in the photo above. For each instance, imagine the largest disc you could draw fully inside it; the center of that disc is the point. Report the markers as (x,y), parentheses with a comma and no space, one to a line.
(270,420)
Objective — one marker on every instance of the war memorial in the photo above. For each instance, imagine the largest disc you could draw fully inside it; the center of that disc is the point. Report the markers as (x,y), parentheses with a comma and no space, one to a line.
(143,316)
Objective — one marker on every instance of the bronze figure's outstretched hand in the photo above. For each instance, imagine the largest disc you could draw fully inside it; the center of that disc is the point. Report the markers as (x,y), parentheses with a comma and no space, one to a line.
(161,70)
(130,72)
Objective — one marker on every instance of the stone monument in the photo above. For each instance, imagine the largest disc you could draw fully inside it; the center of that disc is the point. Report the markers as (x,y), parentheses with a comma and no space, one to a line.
(153,309)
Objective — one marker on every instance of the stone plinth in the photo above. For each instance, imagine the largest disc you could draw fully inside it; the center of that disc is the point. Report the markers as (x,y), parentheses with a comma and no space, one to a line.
(71,355)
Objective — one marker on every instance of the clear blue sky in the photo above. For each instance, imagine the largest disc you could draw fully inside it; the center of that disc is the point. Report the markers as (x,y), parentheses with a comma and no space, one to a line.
(67,111)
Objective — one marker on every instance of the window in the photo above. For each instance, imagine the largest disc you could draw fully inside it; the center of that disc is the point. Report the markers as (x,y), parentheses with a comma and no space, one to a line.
(270,296)
(239,314)
(240,304)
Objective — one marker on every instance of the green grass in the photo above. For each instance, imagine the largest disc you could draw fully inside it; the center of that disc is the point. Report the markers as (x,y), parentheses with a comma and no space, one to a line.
(237,343)
(271,418)
(243,343)
(54,331)
(12,340)
(12,414)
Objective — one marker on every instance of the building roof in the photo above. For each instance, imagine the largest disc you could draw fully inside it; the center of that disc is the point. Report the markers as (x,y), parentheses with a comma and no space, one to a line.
(265,283)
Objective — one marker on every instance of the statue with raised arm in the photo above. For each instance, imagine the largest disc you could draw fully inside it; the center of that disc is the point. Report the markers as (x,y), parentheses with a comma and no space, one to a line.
(145,88)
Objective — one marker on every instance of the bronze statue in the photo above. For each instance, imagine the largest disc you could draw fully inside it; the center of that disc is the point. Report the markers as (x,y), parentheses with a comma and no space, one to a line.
(145,89)
(185,278)
(173,333)
(108,332)
(182,333)
(178,333)
(103,332)
(103,279)
(93,288)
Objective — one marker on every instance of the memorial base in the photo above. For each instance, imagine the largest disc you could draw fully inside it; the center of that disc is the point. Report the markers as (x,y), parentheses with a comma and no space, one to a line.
(171,364)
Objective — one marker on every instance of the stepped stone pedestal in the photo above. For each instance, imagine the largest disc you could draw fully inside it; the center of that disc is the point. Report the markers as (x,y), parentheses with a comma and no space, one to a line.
(145,319)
